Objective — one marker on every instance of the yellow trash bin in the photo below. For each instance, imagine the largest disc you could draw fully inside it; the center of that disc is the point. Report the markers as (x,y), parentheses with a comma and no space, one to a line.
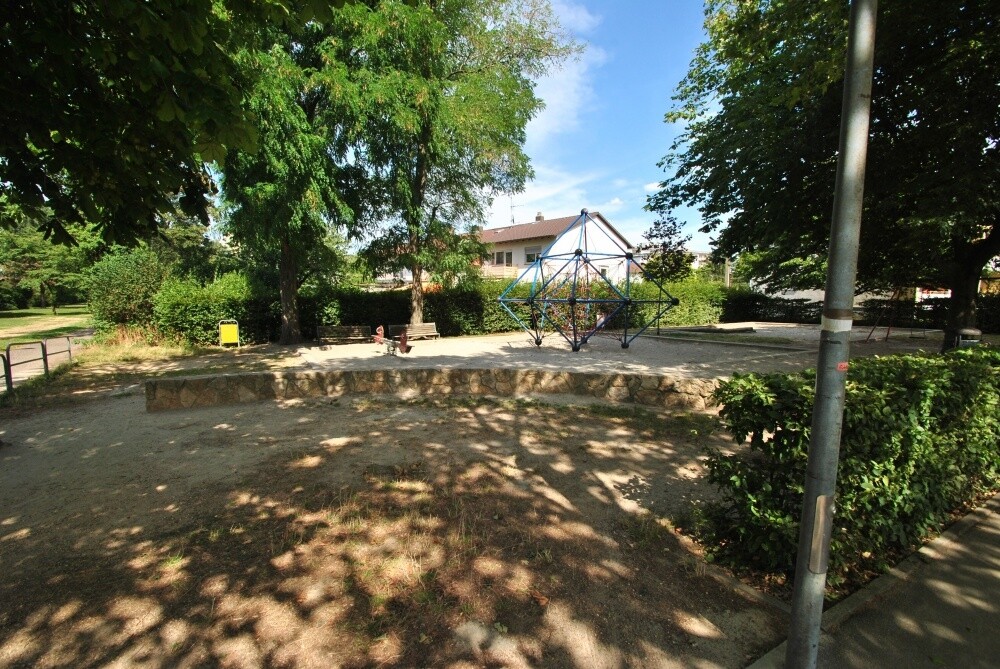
(229,332)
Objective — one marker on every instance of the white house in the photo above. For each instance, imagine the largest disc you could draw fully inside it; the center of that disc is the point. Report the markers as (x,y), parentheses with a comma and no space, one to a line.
(515,247)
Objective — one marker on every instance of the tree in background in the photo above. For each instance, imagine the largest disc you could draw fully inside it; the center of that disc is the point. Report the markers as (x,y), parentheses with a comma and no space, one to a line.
(761,103)
(447,95)
(53,273)
(668,259)
(284,198)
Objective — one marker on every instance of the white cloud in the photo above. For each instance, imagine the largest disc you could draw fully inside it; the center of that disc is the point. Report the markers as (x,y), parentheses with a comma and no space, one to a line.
(611,206)
(567,93)
(652,187)
(575,17)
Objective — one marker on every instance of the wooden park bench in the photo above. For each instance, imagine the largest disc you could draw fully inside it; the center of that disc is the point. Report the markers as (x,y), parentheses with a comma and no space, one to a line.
(421,331)
(343,334)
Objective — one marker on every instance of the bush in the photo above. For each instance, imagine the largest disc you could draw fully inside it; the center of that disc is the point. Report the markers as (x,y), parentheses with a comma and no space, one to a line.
(190,312)
(14,297)
(742,304)
(921,439)
(701,302)
(121,286)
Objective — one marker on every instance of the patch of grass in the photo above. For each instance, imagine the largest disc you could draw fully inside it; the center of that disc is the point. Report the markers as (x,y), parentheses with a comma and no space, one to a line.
(24,325)
(37,335)
(28,391)
(647,531)
(174,560)
(46,312)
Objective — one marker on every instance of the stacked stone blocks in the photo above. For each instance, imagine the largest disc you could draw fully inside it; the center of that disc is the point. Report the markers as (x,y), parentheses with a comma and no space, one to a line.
(203,391)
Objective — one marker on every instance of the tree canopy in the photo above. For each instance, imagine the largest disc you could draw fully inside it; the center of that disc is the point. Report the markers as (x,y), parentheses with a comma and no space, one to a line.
(284,197)
(668,258)
(448,93)
(761,108)
(111,109)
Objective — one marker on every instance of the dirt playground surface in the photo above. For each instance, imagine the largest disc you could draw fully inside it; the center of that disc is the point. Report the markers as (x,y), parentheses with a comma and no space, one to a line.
(363,532)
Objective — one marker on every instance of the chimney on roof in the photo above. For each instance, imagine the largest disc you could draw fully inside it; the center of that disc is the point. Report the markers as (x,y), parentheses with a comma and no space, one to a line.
(539,218)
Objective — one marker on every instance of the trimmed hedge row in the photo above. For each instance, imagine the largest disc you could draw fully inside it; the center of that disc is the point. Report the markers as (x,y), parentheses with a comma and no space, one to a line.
(748,305)
(921,439)
(186,310)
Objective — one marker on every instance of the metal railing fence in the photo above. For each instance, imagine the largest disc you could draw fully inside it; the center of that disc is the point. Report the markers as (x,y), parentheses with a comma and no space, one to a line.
(31,355)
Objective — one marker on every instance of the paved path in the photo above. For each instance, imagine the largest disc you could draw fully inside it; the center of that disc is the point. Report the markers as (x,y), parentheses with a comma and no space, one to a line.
(26,359)
(940,608)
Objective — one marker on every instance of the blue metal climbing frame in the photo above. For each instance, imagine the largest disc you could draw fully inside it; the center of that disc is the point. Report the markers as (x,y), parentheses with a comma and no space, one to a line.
(581,285)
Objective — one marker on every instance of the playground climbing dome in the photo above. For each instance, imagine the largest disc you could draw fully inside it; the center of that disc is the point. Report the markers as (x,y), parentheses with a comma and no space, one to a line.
(581,286)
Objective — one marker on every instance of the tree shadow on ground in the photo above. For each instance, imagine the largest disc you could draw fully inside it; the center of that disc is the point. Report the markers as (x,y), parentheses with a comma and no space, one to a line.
(377,533)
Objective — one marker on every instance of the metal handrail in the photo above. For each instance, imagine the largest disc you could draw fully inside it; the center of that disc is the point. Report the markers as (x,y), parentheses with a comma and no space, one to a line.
(8,366)
(6,372)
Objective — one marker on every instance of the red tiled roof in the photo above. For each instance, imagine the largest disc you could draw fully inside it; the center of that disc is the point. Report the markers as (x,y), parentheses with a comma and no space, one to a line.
(551,227)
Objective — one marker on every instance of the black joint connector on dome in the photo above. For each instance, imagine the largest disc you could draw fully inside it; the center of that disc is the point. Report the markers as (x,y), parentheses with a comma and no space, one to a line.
(675,301)
(571,301)
(628,301)
(628,255)
(584,212)
(578,252)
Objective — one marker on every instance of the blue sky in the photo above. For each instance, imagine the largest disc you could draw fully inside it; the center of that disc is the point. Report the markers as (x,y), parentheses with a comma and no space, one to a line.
(598,140)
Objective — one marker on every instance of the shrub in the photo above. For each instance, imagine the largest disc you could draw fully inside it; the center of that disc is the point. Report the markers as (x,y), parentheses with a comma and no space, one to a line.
(14,297)
(190,312)
(121,286)
(742,304)
(921,438)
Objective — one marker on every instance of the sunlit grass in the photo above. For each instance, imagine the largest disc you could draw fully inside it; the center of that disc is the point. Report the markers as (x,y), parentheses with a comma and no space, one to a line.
(24,325)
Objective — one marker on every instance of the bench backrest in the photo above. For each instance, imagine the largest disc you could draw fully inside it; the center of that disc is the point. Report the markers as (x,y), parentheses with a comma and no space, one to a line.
(421,330)
(333,331)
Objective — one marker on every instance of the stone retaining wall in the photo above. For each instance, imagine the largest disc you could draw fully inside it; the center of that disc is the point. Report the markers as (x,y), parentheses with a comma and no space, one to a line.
(203,391)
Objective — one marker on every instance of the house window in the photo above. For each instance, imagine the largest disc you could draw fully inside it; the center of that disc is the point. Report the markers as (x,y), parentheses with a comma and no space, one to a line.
(531,253)
(604,272)
(503,258)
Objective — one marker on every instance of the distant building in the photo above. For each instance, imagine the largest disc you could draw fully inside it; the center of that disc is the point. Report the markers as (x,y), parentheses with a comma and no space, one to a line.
(515,247)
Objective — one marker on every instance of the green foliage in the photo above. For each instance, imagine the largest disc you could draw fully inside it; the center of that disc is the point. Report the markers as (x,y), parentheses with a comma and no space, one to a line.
(450,94)
(121,286)
(700,302)
(761,106)
(50,273)
(14,297)
(188,311)
(921,439)
(669,260)
(153,93)
(743,304)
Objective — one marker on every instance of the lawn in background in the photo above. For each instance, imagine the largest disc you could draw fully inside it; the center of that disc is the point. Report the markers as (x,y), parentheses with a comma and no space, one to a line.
(33,324)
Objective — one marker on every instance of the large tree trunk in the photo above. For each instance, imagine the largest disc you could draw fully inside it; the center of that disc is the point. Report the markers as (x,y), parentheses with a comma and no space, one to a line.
(962,306)
(418,190)
(417,296)
(289,287)
(967,268)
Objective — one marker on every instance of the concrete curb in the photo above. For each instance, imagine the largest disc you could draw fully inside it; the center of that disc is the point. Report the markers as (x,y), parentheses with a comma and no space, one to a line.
(937,549)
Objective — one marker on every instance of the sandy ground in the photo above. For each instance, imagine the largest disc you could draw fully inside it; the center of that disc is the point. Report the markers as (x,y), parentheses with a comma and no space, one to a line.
(371,532)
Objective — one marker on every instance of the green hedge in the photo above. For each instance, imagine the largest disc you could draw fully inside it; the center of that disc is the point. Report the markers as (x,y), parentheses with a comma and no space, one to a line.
(742,304)
(186,310)
(121,287)
(921,439)
(190,312)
